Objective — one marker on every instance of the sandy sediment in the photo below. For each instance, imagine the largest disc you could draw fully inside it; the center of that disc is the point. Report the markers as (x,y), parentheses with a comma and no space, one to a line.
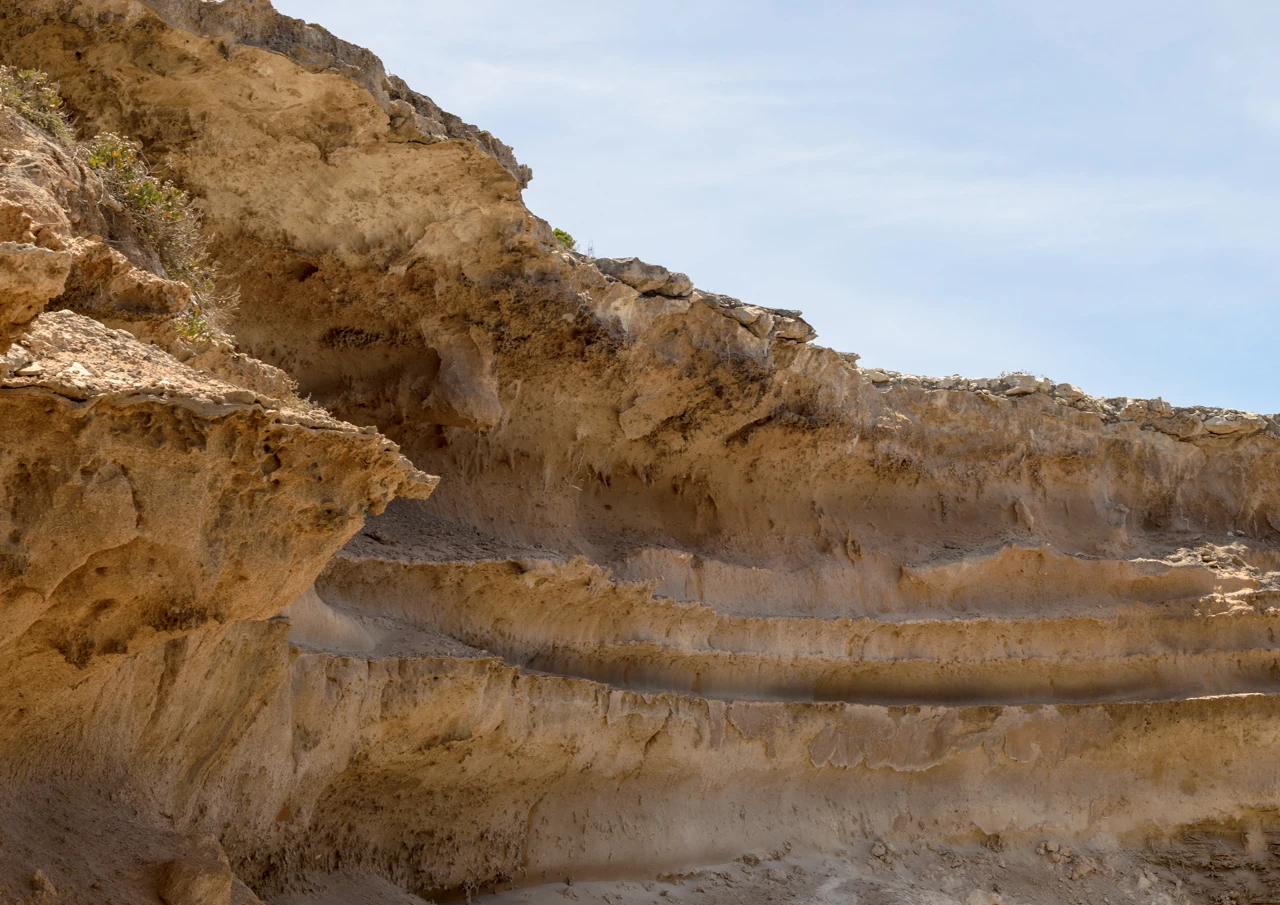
(698,610)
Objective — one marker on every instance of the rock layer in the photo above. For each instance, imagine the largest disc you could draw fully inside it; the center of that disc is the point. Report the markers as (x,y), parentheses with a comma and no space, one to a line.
(691,589)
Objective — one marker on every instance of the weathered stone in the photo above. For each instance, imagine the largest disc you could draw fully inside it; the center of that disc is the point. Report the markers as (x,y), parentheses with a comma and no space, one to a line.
(1240,423)
(746,314)
(646,278)
(794,329)
(1069,393)
(762,326)
(820,594)
(29,277)
(201,877)
(1025,384)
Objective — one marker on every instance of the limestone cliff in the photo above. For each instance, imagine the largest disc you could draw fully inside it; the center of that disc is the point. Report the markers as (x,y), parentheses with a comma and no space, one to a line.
(691,588)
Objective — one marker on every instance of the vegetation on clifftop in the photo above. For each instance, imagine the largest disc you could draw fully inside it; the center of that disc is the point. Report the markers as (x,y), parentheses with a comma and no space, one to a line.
(36,99)
(565,239)
(166,217)
(161,212)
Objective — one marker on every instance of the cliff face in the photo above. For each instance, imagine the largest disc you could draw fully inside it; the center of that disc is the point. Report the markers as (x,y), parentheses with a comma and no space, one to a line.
(691,587)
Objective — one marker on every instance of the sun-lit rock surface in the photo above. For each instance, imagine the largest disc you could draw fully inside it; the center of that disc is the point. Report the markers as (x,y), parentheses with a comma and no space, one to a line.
(698,611)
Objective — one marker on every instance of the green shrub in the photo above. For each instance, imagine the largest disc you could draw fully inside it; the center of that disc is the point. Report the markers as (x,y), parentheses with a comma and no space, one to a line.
(160,210)
(193,326)
(162,213)
(36,99)
(565,239)
(167,219)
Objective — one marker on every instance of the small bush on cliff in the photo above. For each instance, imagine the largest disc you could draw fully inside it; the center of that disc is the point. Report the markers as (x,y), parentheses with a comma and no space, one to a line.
(565,239)
(166,217)
(36,99)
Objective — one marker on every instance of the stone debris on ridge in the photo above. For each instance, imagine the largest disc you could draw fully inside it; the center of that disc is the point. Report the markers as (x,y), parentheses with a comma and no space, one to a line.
(646,278)
(656,280)
(80,358)
(1183,422)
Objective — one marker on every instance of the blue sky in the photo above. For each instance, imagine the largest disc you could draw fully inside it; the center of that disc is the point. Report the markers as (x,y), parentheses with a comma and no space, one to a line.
(1087,190)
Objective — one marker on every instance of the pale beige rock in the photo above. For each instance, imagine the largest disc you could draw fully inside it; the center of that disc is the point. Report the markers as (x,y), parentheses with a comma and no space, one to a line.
(201,877)
(1243,424)
(645,278)
(29,277)
(692,588)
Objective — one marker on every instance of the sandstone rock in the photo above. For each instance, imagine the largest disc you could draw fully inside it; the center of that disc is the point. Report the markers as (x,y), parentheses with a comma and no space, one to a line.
(257,24)
(464,392)
(29,277)
(1023,514)
(783,588)
(201,877)
(1235,424)
(1026,384)
(1068,392)
(43,887)
(15,359)
(763,325)
(794,329)
(646,278)
(121,502)
(103,281)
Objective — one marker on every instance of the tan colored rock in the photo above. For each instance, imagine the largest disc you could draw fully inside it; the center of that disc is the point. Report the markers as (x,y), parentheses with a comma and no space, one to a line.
(464,391)
(794,329)
(683,567)
(105,282)
(1026,385)
(645,278)
(125,505)
(201,877)
(1237,424)
(1068,392)
(29,277)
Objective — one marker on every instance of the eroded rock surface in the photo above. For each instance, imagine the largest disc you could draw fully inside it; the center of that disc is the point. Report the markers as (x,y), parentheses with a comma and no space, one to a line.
(698,611)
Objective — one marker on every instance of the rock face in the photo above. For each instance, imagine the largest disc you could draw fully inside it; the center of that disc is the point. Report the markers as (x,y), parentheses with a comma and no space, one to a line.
(646,278)
(202,877)
(691,589)
(29,277)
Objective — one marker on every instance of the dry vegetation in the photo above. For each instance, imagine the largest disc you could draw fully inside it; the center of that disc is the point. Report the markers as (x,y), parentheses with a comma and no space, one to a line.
(161,212)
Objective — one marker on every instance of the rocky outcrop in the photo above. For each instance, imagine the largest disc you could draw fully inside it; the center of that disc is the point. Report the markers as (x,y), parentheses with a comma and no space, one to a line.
(656,280)
(229,505)
(692,588)
(29,277)
(1197,423)
(147,506)
(645,278)
(414,117)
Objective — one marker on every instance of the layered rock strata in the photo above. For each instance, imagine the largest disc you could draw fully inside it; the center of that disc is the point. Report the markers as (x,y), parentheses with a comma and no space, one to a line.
(691,589)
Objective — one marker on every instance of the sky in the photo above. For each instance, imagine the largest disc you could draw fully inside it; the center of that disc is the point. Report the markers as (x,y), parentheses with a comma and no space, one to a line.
(1085,189)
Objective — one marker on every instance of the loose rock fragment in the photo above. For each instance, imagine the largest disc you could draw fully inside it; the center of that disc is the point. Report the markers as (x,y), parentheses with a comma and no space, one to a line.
(201,877)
